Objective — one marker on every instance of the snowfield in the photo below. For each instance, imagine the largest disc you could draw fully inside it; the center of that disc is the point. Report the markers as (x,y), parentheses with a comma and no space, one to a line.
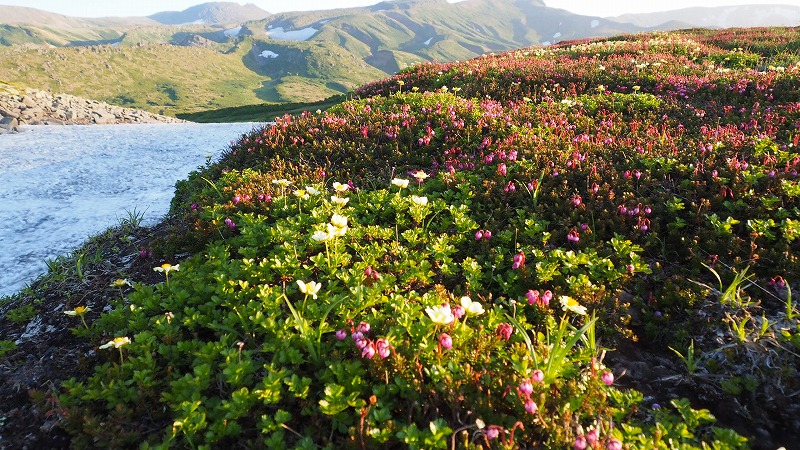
(62,184)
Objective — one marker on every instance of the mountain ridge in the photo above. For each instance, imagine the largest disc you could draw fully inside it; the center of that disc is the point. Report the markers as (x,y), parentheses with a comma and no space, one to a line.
(212,13)
(284,57)
(720,16)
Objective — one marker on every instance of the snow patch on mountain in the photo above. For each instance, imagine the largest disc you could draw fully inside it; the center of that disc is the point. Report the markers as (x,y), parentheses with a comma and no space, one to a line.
(292,35)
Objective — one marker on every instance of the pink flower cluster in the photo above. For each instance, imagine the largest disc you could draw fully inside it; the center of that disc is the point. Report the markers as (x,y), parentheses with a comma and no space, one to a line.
(525,389)
(543,300)
(369,348)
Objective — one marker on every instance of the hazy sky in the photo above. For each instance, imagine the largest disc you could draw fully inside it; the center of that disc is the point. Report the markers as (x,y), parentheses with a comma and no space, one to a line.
(603,8)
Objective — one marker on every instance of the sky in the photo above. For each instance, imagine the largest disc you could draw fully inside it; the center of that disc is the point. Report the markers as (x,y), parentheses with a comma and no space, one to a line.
(602,8)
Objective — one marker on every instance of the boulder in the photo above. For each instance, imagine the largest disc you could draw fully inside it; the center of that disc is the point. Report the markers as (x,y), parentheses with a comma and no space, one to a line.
(10,112)
(9,124)
(31,113)
(101,117)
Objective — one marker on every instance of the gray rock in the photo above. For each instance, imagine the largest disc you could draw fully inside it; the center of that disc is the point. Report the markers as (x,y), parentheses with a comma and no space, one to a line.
(9,124)
(29,102)
(10,112)
(30,113)
(101,117)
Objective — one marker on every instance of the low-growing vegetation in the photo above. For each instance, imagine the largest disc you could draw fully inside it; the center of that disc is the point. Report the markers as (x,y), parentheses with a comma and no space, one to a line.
(590,245)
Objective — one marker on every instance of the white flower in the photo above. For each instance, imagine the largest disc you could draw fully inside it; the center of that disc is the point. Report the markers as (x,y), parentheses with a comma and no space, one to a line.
(339,187)
(282,182)
(339,221)
(117,342)
(420,175)
(570,304)
(311,190)
(334,231)
(167,268)
(301,193)
(399,182)
(440,314)
(419,200)
(471,307)
(320,236)
(339,200)
(311,288)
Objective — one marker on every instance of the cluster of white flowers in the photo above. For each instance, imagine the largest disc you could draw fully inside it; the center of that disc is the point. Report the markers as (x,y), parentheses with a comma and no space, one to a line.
(336,227)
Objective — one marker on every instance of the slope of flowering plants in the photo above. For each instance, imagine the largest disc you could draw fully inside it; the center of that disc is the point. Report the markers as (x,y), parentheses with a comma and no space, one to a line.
(586,246)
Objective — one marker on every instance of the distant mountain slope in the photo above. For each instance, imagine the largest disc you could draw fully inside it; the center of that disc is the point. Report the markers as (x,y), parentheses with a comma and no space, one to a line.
(212,13)
(13,15)
(720,17)
(393,34)
(299,56)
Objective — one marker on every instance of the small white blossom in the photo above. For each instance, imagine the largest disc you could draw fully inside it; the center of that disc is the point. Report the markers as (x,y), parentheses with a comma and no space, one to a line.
(311,288)
(419,200)
(401,183)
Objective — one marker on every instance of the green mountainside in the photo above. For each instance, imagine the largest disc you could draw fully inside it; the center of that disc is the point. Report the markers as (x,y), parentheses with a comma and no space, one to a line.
(217,60)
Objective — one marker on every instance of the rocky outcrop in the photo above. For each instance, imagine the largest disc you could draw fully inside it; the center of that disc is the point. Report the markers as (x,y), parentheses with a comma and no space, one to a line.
(35,107)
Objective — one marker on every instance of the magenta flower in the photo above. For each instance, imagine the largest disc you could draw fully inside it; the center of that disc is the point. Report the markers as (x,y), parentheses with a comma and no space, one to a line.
(364,327)
(501,169)
(479,235)
(383,348)
(608,378)
(533,297)
(458,311)
(341,335)
(531,406)
(357,335)
(368,352)
(614,444)
(573,235)
(546,297)
(487,234)
(592,436)
(518,261)
(505,330)
(445,341)
(580,443)
(526,387)
(229,223)
(537,376)
(372,274)
(492,432)
(361,344)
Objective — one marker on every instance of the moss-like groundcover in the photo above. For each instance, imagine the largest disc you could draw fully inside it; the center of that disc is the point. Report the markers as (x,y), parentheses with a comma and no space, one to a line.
(451,260)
